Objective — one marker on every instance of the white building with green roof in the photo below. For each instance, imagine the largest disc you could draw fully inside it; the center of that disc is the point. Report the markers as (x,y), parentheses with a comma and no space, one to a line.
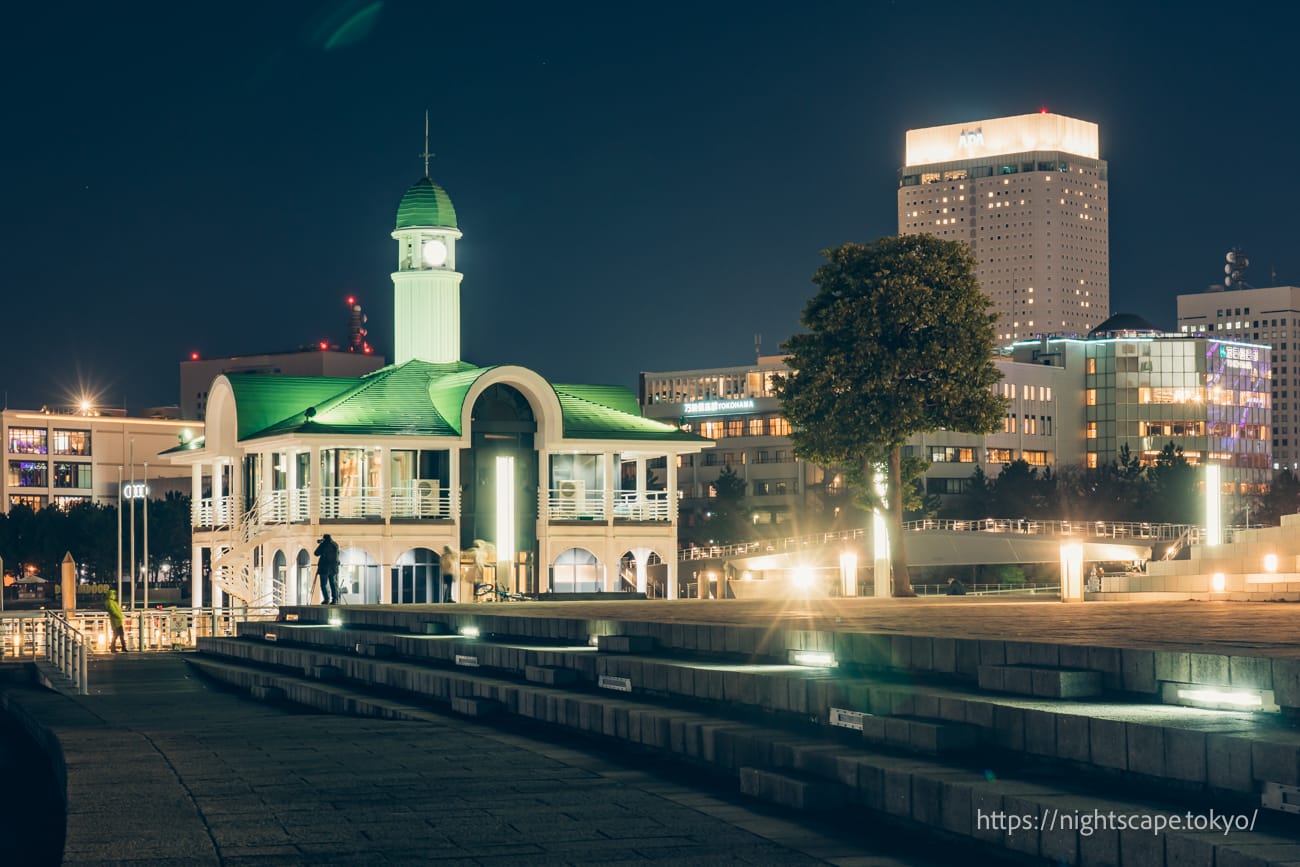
(567,488)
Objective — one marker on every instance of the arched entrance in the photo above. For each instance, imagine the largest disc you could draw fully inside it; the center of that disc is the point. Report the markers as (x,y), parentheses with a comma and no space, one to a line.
(499,477)
(577,571)
(358,577)
(302,578)
(279,578)
(637,573)
(416,577)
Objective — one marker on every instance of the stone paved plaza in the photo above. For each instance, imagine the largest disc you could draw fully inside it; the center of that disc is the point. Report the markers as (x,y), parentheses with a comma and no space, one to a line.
(163,768)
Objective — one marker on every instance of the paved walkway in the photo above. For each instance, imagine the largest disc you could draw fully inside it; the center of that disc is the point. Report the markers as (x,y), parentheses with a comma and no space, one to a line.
(1252,628)
(163,768)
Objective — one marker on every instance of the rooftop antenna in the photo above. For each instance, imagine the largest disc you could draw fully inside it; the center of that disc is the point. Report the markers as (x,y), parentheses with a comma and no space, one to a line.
(1235,270)
(426,153)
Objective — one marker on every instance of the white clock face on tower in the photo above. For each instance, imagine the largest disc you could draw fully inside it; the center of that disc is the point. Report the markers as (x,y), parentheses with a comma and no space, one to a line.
(434,253)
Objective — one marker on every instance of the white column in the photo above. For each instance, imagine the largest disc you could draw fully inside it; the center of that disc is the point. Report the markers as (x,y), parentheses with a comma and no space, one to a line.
(612,478)
(385,569)
(218,492)
(671,484)
(196,576)
(385,495)
(313,486)
(671,591)
(196,493)
(291,484)
(641,570)
(453,493)
(640,491)
(544,485)
(264,495)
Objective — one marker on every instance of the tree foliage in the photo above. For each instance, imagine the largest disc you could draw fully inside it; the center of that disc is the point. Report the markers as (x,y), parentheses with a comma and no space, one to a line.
(40,539)
(899,341)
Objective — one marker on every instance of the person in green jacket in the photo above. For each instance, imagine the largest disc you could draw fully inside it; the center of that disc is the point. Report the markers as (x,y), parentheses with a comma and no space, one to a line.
(115,617)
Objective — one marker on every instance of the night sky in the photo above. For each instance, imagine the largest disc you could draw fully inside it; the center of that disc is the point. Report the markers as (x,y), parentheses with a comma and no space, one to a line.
(642,186)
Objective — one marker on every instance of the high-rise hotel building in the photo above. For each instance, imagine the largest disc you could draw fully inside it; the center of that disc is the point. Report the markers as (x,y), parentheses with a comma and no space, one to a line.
(1030,196)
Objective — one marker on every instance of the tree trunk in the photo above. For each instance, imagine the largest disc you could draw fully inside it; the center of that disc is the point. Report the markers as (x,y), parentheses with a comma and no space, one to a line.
(897,551)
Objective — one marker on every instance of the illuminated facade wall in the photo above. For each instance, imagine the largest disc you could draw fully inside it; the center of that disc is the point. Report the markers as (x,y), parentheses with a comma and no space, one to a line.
(736,407)
(1030,195)
(1209,397)
(62,459)
(1268,315)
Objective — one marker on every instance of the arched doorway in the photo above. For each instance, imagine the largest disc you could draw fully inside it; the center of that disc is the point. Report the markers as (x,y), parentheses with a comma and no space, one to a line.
(577,571)
(302,578)
(499,482)
(416,577)
(279,578)
(358,577)
(637,573)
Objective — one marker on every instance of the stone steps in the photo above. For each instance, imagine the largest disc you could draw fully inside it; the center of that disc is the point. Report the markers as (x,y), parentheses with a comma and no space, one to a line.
(784,768)
(1231,755)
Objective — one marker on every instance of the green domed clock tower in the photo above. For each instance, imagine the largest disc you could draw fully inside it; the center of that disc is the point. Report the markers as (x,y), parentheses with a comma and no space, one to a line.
(426,284)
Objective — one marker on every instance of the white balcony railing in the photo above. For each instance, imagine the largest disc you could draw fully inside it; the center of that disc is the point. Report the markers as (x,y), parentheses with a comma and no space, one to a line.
(570,502)
(647,506)
(428,503)
(336,503)
(214,512)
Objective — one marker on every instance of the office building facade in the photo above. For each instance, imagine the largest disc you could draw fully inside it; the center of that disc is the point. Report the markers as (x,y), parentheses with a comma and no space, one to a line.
(1270,316)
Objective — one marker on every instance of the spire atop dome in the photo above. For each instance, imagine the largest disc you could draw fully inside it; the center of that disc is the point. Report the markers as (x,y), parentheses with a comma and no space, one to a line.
(426,153)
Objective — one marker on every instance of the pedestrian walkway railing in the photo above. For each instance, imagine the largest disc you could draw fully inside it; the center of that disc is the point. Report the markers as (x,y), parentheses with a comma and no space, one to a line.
(66,649)
(24,634)
(1126,530)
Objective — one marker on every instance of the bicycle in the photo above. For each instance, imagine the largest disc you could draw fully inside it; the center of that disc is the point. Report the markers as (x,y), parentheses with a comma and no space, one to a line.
(497,593)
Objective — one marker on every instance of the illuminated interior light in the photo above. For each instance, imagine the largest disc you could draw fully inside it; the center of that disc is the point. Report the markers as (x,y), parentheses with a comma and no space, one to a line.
(812,658)
(469,631)
(1217,582)
(1235,698)
(505,507)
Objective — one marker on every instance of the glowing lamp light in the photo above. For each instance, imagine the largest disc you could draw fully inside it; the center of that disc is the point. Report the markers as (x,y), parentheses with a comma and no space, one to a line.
(469,632)
(746,576)
(1233,698)
(1270,562)
(194,356)
(812,658)
(324,345)
(85,405)
(802,577)
(335,620)
(1218,582)
(352,299)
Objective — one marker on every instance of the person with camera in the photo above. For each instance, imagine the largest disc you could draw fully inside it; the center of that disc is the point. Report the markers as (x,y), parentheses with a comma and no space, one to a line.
(327,569)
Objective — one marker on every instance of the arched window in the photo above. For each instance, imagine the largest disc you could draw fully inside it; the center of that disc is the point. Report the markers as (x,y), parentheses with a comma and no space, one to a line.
(577,571)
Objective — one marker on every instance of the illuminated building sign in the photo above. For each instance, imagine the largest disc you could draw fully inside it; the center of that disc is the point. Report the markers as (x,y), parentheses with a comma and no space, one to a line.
(709,407)
(1239,356)
(1001,136)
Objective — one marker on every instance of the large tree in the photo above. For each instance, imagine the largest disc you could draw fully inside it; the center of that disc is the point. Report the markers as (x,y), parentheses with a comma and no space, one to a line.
(899,341)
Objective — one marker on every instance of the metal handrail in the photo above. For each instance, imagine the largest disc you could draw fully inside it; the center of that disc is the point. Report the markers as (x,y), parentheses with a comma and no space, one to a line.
(1087,529)
(26,634)
(65,648)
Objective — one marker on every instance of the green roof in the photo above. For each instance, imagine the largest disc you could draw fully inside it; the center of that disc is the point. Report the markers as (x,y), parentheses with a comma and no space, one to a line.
(610,412)
(426,204)
(420,398)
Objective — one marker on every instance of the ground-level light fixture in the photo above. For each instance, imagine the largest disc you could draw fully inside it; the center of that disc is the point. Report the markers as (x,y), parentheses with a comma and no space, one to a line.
(802,576)
(812,658)
(469,632)
(1270,562)
(335,620)
(1218,582)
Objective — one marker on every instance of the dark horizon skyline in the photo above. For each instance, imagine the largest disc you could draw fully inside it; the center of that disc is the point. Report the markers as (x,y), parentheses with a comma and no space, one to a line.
(640,188)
